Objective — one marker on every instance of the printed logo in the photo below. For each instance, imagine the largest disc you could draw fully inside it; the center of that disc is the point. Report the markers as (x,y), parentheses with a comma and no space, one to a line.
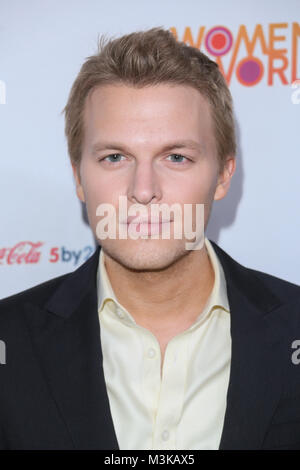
(264,54)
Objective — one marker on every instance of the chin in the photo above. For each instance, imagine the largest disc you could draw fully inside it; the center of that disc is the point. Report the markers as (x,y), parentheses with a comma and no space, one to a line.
(145,255)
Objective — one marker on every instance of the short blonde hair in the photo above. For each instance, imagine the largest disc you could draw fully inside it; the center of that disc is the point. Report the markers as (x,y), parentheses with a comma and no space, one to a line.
(145,58)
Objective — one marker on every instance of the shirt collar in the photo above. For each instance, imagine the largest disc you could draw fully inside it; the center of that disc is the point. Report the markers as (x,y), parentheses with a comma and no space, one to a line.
(217,298)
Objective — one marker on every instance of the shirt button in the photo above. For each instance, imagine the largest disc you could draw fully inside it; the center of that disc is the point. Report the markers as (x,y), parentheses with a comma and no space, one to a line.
(120,313)
(151,352)
(165,435)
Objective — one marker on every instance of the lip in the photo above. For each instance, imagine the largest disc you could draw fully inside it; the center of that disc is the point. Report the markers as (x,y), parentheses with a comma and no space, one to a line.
(146,228)
(145,221)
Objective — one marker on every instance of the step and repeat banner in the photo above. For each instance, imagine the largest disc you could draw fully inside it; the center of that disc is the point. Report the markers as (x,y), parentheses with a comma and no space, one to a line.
(44,230)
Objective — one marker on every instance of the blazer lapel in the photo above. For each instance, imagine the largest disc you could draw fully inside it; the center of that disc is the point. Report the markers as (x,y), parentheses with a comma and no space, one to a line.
(257,331)
(69,350)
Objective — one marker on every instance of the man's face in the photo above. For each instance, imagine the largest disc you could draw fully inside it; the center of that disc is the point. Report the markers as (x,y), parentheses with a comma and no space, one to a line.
(152,145)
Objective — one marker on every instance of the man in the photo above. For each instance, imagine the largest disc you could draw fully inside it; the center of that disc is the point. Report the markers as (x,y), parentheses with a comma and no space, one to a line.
(150,345)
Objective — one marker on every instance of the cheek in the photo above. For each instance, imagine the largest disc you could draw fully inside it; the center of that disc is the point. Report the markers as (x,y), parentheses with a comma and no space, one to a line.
(95,186)
(97,193)
(207,182)
(101,186)
(100,191)
(199,189)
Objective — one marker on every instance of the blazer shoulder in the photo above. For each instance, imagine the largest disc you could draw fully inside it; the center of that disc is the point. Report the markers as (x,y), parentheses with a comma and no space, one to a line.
(37,294)
(252,279)
(41,293)
(282,288)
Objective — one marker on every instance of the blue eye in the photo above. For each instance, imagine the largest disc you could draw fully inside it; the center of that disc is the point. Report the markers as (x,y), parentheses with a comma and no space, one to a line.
(177,159)
(114,156)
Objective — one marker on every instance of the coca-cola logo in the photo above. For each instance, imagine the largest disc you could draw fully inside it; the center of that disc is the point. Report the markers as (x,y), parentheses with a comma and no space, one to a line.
(27,252)
(23,252)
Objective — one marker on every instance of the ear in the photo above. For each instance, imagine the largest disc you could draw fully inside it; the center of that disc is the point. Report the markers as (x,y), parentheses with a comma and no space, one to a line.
(224,179)
(79,189)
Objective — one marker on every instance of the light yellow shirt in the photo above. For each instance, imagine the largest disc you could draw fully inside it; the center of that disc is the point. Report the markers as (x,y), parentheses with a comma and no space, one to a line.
(185,408)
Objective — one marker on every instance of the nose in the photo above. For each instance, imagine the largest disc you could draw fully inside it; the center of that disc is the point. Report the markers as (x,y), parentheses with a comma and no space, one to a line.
(144,186)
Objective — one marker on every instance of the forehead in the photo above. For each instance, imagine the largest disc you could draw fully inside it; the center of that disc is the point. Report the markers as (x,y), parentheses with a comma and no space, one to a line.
(157,111)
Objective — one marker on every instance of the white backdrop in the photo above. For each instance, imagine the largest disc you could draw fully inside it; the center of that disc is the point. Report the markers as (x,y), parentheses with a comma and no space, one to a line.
(42,46)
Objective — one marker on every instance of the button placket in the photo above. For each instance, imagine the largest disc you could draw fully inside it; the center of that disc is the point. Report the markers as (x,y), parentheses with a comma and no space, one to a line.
(150,372)
(172,393)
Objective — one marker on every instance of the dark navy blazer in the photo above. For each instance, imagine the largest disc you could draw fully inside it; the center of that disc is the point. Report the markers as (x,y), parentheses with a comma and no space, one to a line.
(52,387)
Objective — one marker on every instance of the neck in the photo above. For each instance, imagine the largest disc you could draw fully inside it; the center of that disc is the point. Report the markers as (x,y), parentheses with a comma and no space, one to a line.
(176,294)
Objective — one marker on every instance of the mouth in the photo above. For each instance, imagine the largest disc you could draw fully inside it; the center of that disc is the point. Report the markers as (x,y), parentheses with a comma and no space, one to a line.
(149,221)
(148,228)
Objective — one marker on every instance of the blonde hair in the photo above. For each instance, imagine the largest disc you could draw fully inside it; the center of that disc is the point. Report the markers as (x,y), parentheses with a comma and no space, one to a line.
(145,58)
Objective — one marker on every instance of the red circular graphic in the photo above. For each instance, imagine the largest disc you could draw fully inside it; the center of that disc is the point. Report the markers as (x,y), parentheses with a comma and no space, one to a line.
(218,41)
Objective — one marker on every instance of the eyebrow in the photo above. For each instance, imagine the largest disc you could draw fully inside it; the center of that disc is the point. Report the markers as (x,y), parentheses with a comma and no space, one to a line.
(170,146)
